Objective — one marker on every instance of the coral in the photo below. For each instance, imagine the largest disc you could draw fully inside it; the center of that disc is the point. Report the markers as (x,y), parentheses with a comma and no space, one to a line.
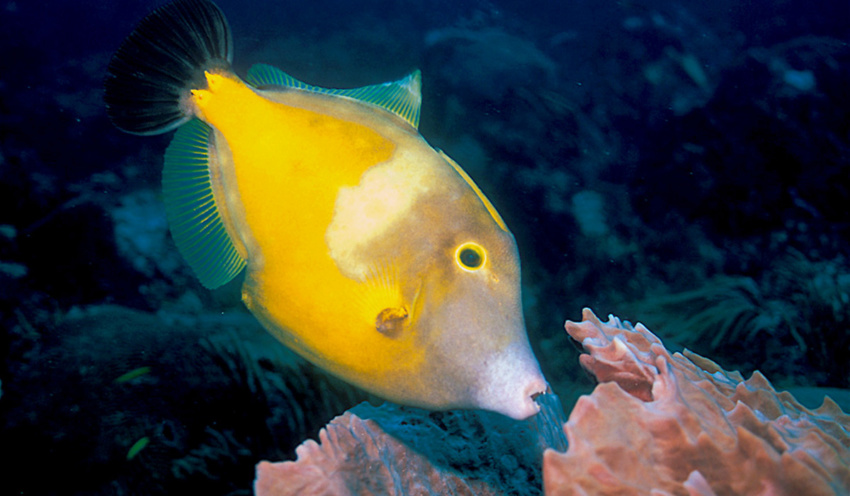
(662,423)
(350,446)
(401,450)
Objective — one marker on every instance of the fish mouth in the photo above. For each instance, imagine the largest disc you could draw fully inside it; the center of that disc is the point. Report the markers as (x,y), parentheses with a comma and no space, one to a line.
(529,405)
(537,394)
(517,398)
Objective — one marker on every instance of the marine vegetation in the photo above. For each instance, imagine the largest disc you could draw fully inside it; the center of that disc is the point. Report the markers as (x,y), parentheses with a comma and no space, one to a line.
(794,318)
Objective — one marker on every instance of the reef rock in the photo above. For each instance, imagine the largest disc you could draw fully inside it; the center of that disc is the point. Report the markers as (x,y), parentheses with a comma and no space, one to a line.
(357,457)
(400,450)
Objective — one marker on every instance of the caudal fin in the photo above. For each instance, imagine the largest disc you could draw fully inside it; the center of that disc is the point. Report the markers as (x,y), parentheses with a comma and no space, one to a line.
(161,60)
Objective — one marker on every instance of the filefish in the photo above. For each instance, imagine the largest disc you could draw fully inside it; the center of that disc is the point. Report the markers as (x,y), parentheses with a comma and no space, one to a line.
(364,249)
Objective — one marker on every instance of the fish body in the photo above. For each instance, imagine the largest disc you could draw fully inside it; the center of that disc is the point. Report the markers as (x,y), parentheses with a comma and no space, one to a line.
(367,251)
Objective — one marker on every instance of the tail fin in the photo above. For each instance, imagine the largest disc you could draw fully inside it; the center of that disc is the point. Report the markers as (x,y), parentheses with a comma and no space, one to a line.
(163,58)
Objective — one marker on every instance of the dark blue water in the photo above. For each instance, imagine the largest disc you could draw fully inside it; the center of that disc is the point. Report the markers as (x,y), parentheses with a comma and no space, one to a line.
(684,165)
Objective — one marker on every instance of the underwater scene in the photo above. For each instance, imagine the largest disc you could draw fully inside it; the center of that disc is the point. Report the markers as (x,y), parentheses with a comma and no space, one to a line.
(274,247)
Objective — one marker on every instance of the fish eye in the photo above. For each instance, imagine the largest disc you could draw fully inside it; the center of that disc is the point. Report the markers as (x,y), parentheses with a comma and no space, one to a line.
(470,256)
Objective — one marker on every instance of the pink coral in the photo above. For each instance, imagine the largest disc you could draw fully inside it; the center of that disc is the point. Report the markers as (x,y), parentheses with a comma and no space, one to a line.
(356,457)
(665,424)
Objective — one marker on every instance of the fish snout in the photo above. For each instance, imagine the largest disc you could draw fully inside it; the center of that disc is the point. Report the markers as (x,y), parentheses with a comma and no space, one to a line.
(513,387)
(525,404)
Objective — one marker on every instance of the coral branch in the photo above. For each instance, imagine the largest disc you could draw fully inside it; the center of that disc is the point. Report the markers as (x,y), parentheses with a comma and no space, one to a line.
(662,423)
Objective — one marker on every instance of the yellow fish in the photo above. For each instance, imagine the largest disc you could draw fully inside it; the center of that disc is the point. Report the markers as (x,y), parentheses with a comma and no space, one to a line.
(367,251)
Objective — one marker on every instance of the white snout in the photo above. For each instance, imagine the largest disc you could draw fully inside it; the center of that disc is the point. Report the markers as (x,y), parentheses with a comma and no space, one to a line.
(511,382)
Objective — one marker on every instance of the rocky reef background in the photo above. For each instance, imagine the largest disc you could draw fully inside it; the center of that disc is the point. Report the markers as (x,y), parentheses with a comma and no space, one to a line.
(680,164)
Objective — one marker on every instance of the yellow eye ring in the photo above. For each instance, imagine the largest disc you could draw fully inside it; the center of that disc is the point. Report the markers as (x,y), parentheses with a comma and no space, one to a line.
(470,256)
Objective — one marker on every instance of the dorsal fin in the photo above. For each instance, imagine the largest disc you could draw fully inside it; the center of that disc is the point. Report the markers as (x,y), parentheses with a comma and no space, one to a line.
(196,224)
(402,97)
